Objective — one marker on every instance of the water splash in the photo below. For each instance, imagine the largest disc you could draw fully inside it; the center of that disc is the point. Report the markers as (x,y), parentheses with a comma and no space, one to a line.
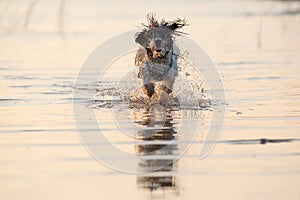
(189,90)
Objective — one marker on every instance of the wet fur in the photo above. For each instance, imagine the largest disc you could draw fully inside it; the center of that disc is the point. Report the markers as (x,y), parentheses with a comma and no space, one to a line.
(157,56)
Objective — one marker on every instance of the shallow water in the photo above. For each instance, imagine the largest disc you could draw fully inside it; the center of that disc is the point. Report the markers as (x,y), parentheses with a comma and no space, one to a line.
(256,47)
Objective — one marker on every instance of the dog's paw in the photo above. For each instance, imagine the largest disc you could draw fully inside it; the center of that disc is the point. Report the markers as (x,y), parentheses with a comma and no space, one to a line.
(148,89)
(165,89)
(161,97)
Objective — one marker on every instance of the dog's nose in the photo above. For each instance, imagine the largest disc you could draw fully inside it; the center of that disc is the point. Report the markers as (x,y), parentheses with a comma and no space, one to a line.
(158,50)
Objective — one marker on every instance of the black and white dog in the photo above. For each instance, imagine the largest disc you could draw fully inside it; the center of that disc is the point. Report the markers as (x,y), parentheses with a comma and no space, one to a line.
(157,57)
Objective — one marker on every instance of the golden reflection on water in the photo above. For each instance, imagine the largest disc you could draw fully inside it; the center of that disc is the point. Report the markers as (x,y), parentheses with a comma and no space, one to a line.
(256,46)
(152,117)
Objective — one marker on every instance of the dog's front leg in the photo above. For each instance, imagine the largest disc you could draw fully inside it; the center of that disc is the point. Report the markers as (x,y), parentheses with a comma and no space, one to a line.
(148,86)
(168,81)
(169,77)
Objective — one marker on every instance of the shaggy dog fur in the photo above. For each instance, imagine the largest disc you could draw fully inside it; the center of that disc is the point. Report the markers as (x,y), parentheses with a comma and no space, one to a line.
(157,56)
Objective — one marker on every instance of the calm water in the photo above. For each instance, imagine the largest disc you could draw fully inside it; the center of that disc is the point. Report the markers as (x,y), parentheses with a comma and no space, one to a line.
(256,47)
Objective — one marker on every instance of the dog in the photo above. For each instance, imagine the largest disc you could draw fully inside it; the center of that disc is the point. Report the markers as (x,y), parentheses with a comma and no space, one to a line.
(157,56)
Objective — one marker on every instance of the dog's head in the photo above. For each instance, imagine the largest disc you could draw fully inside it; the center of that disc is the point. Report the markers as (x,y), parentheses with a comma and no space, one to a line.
(157,37)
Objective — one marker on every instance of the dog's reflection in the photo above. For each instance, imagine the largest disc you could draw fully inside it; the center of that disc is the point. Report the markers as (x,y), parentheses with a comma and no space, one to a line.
(157,154)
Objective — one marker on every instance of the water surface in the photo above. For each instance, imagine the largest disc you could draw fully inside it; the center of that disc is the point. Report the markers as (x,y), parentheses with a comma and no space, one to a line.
(256,47)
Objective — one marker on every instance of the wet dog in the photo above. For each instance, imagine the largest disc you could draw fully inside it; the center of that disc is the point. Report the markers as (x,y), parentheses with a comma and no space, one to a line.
(157,56)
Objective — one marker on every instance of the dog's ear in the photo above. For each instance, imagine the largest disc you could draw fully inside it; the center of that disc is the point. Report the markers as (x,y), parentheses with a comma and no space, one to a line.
(141,38)
(176,24)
